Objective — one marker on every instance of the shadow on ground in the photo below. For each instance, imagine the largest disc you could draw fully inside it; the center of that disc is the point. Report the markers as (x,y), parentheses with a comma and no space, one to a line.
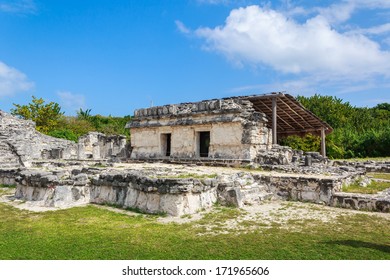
(361,244)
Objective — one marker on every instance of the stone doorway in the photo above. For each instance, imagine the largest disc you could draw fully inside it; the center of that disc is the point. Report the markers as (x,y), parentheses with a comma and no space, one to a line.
(204,143)
(166,144)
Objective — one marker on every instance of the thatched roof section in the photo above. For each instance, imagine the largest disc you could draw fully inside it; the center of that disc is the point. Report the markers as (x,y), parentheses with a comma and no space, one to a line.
(292,117)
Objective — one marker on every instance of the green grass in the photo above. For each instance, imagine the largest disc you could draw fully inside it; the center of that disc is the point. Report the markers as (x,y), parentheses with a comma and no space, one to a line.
(7,189)
(385,176)
(367,159)
(373,188)
(7,186)
(95,233)
(191,176)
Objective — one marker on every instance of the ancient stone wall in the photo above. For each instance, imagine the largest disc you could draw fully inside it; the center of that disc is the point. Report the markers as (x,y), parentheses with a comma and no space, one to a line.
(368,165)
(369,202)
(95,145)
(21,144)
(68,188)
(25,144)
(156,191)
(236,130)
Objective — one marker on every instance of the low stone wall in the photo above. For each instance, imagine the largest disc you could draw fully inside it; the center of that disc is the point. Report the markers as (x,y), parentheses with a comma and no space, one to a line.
(158,191)
(7,177)
(61,196)
(374,202)
(368,166)
(153,195)
(66,188)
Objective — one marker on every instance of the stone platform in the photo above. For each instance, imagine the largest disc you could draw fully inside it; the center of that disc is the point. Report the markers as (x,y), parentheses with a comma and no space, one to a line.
(168,188)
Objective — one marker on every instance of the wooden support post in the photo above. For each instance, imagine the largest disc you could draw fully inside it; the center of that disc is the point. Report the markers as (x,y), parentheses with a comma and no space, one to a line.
(274,121)
(323,143)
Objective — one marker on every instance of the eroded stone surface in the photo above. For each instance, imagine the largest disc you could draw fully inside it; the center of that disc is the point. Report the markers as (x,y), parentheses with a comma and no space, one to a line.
(21,145)
(236,130)
(171,189)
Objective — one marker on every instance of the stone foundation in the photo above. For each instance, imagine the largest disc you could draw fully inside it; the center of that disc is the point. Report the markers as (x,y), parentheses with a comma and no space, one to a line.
(368,166)
(152,189)
(375,202)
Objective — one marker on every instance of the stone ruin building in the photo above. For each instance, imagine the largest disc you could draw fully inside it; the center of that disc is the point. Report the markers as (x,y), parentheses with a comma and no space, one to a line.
(244,128)
(21,144)
(52,172)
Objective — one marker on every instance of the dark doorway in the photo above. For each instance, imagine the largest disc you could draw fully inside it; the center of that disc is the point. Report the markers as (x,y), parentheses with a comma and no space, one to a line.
(168,145)
(204,143)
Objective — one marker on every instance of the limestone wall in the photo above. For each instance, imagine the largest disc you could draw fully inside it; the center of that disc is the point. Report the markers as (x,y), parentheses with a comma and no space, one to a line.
(368,165)
(67,188)
(371,202)
(95,145)
(156,191)
(26,144)
(226,142)
(21,144)
(236,130)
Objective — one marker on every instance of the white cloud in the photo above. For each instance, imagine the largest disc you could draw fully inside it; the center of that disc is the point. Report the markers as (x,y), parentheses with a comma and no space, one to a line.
(213,2)
(376,30)
(343,10)
(19,7)
(227,2)
(181,27)
(13,81)
(301,86)
(338,13)
(71,101)
(259,37)
(381,4)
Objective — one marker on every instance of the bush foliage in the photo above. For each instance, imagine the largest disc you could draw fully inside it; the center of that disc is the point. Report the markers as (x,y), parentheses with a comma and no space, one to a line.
(46,116)
(50,120)
(358,132)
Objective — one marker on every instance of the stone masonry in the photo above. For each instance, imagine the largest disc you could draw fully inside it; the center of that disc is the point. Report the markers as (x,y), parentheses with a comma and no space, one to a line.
(236,130)
(178,190)
(21,145)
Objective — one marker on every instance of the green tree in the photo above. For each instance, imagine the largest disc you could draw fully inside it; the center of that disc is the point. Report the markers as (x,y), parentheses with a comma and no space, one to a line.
(383,106)
(329,108)
(358,131)
(46,116)
(85,115)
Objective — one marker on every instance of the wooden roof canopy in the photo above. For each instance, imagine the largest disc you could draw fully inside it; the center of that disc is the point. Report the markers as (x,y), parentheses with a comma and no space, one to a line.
(291,117)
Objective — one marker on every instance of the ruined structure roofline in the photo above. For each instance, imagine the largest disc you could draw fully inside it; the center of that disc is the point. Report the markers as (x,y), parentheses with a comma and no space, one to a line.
(234,104)
(238,97)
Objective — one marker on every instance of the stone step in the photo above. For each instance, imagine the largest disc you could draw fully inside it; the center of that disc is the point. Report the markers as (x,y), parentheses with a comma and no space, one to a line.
(7,158)
(255,194)
(9,165)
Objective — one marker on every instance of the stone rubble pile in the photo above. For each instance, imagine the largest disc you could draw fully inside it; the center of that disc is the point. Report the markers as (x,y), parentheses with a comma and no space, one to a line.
(21,145)
(19,140)
(368,165)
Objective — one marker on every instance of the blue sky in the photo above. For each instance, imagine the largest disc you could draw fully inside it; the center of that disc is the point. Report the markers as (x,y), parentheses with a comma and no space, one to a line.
(116,56)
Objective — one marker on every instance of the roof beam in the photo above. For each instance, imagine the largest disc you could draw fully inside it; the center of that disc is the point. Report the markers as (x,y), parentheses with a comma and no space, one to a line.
(288,106)
(270,112)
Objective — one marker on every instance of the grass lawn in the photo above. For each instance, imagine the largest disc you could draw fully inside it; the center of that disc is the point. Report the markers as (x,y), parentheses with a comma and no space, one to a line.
(97,233)
(372,188)
(367,159)
(377,175)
